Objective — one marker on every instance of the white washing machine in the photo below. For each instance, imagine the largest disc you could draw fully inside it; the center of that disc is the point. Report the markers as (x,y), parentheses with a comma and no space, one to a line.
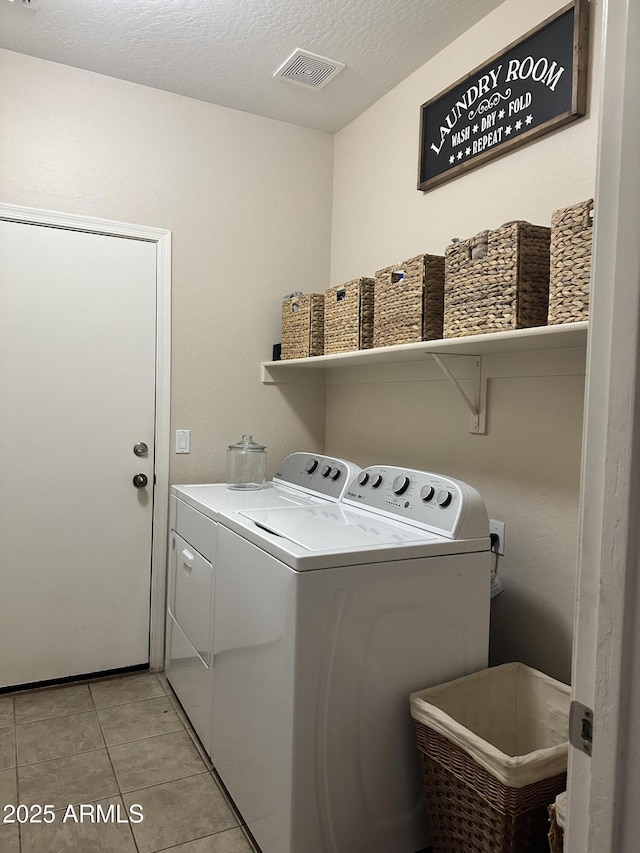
(326,618)
(302,479)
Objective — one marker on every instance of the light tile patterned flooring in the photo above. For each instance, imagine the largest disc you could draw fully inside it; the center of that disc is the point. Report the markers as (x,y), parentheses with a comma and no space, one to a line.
(117,741)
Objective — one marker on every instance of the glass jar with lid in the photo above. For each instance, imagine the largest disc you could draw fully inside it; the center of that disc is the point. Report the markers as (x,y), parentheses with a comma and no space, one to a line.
(246,464)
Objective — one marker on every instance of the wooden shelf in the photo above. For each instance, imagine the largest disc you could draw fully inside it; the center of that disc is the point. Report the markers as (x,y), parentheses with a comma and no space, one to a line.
(522,340)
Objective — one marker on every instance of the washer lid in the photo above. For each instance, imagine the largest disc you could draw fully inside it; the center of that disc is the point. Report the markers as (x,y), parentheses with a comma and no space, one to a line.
(332,527)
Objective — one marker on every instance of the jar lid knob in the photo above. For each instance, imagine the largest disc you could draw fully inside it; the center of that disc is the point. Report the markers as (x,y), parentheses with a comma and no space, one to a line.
(248,444)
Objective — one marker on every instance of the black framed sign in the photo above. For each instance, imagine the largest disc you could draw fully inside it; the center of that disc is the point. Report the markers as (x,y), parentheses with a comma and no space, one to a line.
(533,87)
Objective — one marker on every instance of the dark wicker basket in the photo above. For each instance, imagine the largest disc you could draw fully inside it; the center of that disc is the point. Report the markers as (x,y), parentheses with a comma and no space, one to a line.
(470,811)
(348,316)
(303,326)
(409,301)
(497,281)
(571,242)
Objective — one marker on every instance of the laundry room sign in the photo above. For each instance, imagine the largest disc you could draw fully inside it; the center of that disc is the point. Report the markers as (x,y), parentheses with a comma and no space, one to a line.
(533,87)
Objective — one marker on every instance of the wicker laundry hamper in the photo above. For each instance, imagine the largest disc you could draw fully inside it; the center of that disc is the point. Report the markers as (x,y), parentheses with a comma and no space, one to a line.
(497,281)
(348,316)
(571,244)
(303,326)
(557,813)
(493,748)
(409,301)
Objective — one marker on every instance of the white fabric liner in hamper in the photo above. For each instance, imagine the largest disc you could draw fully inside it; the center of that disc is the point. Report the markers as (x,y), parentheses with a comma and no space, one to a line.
(511,719)
(561,809)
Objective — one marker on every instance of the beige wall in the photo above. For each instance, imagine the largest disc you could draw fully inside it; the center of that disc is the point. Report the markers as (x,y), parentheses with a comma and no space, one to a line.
(248,201)
(528,466)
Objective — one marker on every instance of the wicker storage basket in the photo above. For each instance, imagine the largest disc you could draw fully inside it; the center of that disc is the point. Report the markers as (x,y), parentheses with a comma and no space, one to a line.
(571,240)
(556,823)
(303,325)
(493,750)
(497,281)
(348,316)
(409,301)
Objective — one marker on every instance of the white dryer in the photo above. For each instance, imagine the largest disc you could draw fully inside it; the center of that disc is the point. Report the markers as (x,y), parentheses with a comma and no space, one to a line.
(302,479)
(327,617)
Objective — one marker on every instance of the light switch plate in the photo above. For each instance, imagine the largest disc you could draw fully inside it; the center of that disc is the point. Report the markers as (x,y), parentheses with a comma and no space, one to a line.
(183,441)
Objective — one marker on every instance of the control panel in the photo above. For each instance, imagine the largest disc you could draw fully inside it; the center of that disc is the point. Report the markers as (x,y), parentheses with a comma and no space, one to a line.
(432,501)
(322,475)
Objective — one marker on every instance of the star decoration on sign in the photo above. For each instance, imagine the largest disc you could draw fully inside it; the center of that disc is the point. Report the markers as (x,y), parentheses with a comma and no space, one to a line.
(507,130)
(528,119)
(475,128)
(459,155)
(467,150)
(452,159)
(519,125)
(501,114)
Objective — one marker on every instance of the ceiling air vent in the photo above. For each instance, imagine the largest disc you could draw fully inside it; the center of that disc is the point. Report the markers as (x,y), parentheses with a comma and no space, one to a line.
(308,69)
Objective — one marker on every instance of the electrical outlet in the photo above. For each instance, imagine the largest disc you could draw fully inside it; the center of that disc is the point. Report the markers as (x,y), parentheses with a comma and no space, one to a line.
(497,527)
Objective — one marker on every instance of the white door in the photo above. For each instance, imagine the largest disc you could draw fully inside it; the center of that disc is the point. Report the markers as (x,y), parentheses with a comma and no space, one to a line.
(604,790)
(77,389)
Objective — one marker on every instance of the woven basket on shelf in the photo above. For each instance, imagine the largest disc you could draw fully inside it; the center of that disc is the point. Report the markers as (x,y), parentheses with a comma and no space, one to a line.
(303,326)
(348,316)
(571,241)
(497,281)
(408,305)
(469,811)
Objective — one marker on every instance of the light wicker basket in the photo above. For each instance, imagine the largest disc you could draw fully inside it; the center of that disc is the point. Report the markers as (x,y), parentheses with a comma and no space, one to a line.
(303,326)
(497,281)
(571,242)
(493,749)
(348,316)
(556,823)
(409,301)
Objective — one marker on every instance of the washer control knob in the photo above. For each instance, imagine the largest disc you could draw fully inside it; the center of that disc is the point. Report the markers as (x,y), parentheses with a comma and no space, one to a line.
(376,481)
(443,497)
(363,478)
(326,470)
(335,474)
(400,484)
(427,493)
(311,466)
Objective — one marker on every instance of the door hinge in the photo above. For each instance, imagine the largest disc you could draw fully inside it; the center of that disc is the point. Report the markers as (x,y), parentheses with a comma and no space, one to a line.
(581,727)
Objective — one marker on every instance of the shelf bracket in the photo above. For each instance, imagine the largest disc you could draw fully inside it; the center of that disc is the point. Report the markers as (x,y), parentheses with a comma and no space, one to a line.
(477,406)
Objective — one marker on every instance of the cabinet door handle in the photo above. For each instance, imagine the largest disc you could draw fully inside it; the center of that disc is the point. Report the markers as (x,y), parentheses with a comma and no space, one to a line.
(187,561)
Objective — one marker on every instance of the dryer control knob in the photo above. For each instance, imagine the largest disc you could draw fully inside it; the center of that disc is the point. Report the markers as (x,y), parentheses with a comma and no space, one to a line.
(311,466)
(362,478)
(400,484)
(443,498)
(427,493)
(376,481)
(326,470)
(335,474)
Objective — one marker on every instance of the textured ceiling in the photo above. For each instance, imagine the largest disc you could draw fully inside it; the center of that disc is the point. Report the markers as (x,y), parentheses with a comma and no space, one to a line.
(226,51)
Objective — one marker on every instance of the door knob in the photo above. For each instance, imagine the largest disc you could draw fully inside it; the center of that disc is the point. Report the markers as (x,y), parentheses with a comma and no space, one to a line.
(140,480)
(140,449)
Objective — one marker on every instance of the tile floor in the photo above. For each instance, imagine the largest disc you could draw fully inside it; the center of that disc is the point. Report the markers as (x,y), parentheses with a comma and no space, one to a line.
(109,744)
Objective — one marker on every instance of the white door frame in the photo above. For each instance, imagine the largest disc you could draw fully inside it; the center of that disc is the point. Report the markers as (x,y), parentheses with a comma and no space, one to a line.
(162,239)
(604,791)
